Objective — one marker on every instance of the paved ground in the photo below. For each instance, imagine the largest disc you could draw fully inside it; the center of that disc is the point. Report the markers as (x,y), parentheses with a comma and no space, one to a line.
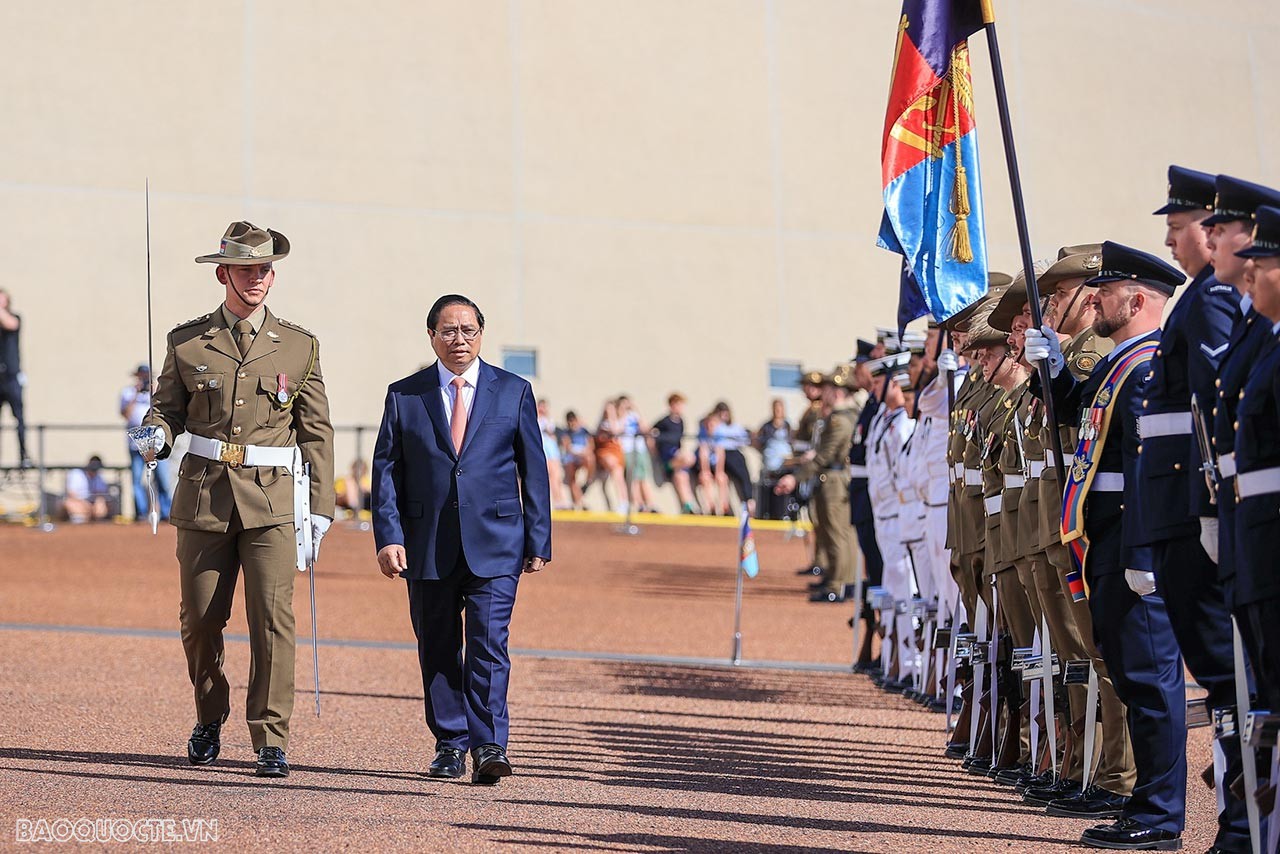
(638,755)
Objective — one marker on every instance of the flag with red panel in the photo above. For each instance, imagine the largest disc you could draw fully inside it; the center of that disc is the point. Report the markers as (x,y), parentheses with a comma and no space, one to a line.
(929,161)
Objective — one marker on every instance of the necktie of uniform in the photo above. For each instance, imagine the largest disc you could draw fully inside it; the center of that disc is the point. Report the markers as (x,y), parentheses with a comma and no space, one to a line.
(244,337)
(458,424)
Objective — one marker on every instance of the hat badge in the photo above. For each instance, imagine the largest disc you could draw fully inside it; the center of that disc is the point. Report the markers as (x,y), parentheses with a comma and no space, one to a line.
(1093,262)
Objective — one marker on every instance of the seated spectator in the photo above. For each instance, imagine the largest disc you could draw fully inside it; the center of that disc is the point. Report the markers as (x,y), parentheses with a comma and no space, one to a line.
(577,453)
(729,438)
(551,449)
(639,456)
(676,461)
(773,439)
(86,497)
(354,492)
(610,460)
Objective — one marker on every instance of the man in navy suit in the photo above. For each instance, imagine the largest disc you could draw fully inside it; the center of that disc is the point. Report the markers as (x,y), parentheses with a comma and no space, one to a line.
(462,506)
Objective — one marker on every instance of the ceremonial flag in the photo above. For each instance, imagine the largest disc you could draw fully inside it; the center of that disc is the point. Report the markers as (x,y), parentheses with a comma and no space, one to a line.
(929,162)
(747,560)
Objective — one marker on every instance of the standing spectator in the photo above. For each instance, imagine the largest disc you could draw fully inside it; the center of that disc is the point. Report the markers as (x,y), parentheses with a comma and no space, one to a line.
(135,403)
(86,496)
(551,449)
(676,461)
(729,438)
(11,377)
(635,445)
(577,452)
(610,460)
(773,439)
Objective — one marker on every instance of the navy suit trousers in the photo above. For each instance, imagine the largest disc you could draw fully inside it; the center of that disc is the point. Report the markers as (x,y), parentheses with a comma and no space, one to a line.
(462,624)
(1137,644)
(1195,599)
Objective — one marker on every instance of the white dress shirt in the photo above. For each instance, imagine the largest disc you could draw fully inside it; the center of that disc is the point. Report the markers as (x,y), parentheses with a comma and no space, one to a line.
(447,391)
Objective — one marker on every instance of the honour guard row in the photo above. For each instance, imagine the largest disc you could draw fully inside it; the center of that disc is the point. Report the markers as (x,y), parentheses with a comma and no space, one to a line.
(1053,605)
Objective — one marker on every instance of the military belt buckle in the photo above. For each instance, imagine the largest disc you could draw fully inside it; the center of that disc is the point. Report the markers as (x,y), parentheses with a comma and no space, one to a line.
(964,647)
(1198,713)
(942,638)
(232,455)
(1024,657)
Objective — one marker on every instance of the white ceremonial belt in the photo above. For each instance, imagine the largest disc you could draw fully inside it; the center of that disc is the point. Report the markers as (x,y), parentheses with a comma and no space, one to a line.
(1227,464)
(1261,482)
(972,477)
(1014,481)
(992,505)
(1035,468)
(1164,424)
(241,455)
(857,471)
(1050,458)
(958,471)
(1107,481)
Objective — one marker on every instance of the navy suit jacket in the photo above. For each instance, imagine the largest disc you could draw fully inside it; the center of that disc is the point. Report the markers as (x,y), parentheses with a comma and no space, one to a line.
(490,503)
(1117,540)
(1191,347)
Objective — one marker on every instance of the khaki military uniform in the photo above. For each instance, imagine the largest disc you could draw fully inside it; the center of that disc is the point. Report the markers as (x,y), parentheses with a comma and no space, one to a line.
(1070,623)
(809,422)
(833,529)
(235,517)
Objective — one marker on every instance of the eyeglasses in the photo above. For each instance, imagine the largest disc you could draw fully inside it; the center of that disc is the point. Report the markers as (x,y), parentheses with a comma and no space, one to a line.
(450,335)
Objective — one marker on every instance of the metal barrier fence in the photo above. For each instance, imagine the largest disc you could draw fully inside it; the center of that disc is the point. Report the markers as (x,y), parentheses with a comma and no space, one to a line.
(356,437)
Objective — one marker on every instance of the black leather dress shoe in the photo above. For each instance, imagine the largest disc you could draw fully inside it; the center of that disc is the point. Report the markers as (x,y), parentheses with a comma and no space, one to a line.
(1129,835)
(489,764)
(271,763)
(450,763)
(1042,795)
(1011,776)
(204,744)
(956,750)
(979,766)
(1094,802)
(1034,781)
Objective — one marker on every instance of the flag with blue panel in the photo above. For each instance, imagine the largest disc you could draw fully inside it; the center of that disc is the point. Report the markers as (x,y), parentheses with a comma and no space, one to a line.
(748,562)
(929,161)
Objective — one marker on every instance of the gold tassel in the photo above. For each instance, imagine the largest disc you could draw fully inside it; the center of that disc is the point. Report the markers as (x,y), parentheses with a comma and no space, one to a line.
(961,247)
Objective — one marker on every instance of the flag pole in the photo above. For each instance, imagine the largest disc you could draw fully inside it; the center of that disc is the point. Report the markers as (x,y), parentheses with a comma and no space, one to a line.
(1020,218)
(737,618)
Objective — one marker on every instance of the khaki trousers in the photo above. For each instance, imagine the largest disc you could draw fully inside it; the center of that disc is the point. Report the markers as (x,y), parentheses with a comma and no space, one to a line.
(210,563)
(1116,771)
(834,535)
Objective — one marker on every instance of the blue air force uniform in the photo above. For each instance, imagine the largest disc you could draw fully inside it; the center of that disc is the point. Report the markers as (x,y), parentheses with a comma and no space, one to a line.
(1132,632)
(1171,489)
(1257,517)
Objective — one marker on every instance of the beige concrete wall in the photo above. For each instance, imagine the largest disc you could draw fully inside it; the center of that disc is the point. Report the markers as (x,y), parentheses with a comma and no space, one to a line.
(656,194)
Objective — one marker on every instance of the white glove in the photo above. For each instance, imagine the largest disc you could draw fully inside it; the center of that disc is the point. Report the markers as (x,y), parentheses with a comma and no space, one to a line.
(1142,583)
(319,527)
(1209,536)
(1043,345)
(947,361)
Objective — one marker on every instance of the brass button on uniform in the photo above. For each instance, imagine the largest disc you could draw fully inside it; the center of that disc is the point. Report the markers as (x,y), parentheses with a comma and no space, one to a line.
(1177,466)
(235,430)
(239,401)
(242,375)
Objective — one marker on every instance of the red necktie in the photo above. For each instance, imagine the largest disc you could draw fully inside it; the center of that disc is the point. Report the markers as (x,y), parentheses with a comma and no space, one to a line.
(458,425)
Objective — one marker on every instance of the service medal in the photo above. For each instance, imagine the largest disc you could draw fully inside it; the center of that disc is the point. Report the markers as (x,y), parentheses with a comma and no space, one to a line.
(282,388)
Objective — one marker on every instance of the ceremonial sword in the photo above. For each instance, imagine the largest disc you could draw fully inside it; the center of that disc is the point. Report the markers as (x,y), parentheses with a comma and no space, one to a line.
(144,438)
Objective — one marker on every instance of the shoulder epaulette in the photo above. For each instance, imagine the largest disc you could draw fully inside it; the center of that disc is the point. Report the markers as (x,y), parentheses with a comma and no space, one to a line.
(294,326)
(201,319)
